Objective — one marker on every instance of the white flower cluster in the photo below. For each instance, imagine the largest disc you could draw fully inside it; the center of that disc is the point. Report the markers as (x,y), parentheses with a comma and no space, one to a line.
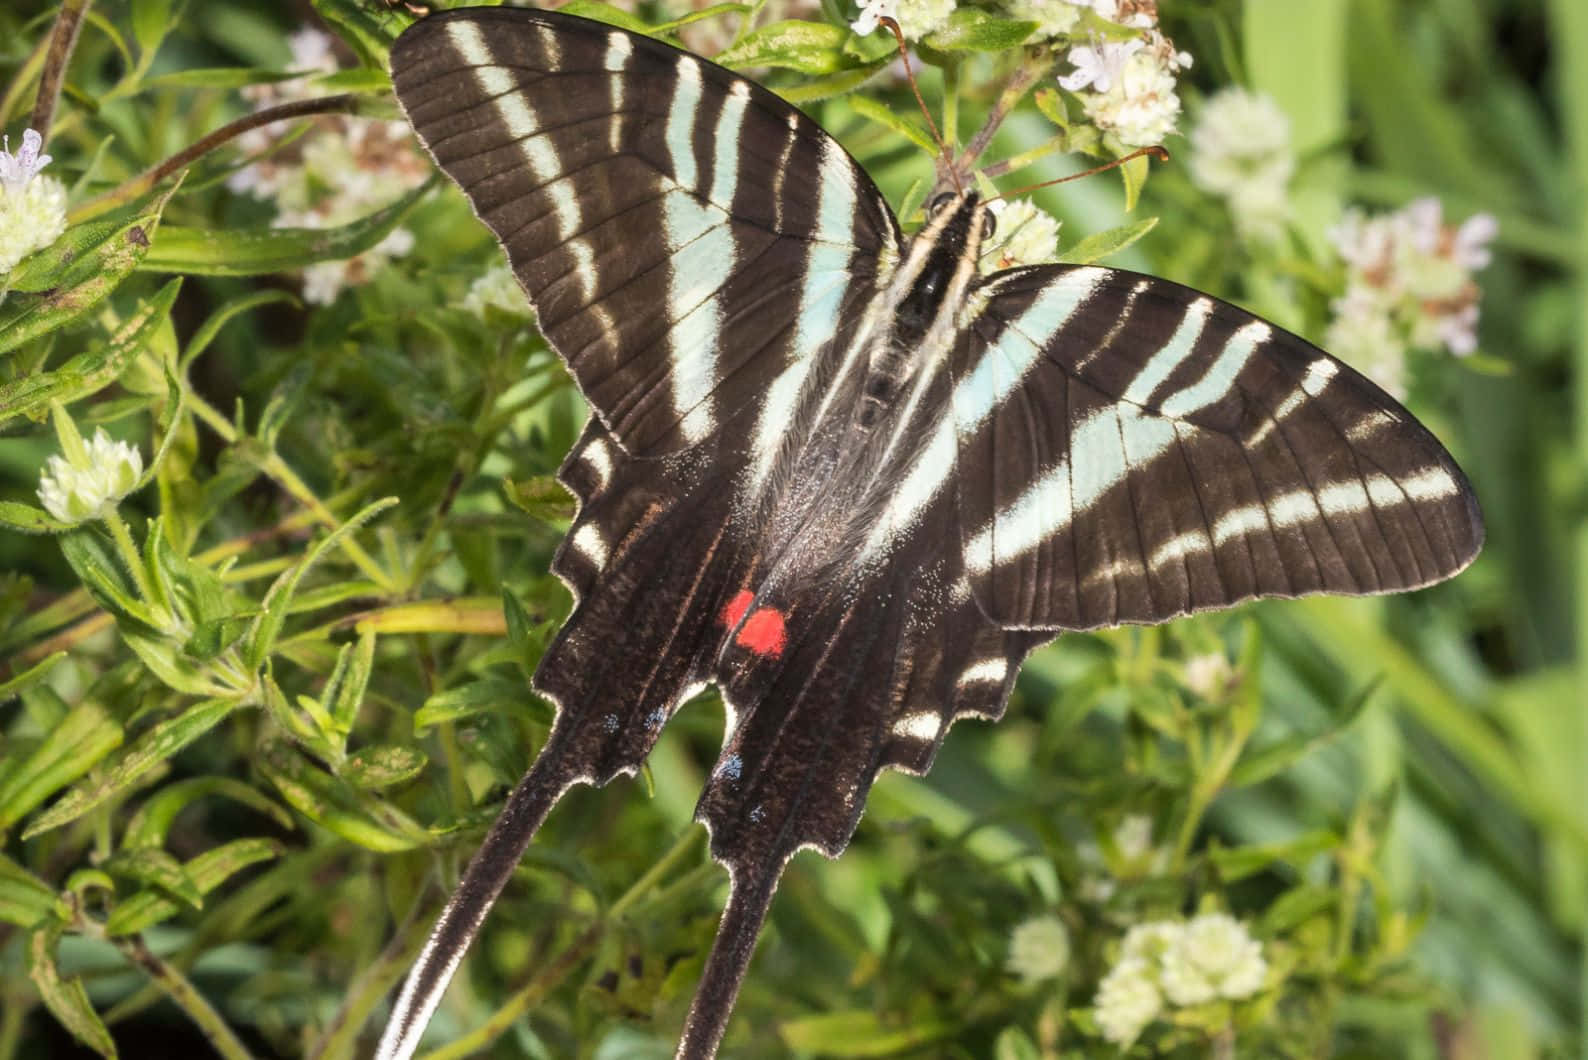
(1128,87)
(32,206)
(1025,234)
(1170,962)
(1241,151)
(1039,948)
(496,287)
(347,169)
(78,487)
(916,18)
(1408,286)
(1209,675)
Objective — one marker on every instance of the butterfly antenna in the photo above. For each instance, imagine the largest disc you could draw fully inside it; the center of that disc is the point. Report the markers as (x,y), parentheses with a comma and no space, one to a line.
(749,897)
(488,872)
(945,155)
(1157,152)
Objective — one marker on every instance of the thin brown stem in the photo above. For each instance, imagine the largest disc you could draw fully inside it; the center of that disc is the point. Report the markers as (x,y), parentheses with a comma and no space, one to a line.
(346,103)
(1026,75)
(63,38)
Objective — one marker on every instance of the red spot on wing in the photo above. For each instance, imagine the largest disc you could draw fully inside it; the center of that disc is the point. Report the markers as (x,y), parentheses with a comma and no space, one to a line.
(737,607)
(764,632)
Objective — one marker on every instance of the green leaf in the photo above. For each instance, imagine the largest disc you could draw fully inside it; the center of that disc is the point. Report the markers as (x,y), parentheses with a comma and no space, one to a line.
(267,626)
(150,825)
(973,29)
(541,497)
(65,998)
(382,766)
(24,898)
(1134,175)
(151,21)
(838,84)
(1102,244)
(207,871)
(1241,862)
(91,371)
(344,692)
(98,568)
(62,282)
(153,867)
(70,749)
(520,629)
(29,677)
(361,819)
(612,16)
(888,118)
(809,47)
(859,1033)
(715,10)
(151,749)
(368,28)
(25,518)
(487,696)
(252,252)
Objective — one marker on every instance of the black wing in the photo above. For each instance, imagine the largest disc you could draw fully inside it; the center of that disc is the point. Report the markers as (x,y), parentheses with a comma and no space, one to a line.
(683,234)
(1131,450)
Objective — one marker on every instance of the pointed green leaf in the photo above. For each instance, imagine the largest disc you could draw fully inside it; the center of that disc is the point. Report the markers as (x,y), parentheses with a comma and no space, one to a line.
(252,252)
(82,739)
(345,691)
(541,497)
(608,13)
(153,867)
(14,515)
(65,998)
(150,825)
(382,766)
(362,819)
(1102,244)
(62,282)
(808,47)
(29,677)
(207,871)
(24,898)
(276,604)
(888,118)
(973,29)
(488,695)
(124,772)
(90,371)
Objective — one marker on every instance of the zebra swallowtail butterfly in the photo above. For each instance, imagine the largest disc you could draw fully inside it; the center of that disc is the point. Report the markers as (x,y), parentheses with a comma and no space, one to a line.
(840,475)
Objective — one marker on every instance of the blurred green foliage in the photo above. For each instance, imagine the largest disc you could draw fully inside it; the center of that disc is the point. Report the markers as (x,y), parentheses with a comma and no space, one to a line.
(251,725)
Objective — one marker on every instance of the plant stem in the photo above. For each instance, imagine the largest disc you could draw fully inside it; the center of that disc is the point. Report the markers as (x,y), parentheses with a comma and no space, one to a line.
(63,38)
(187,998)
(276,468)
(131,558)
(139,185)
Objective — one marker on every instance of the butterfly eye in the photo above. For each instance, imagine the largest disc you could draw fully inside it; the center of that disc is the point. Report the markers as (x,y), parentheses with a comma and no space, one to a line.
(940,200)
(989,225)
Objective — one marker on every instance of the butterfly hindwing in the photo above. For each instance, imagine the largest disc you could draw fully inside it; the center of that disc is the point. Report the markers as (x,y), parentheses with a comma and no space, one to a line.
(1131,450)
(685,236)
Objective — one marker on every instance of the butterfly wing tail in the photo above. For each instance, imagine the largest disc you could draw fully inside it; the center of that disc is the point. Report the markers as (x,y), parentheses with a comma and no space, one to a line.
(553,773)
(748,901)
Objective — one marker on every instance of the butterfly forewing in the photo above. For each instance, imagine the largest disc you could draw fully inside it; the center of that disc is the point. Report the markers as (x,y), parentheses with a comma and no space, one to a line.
(685,236)
(1131,450)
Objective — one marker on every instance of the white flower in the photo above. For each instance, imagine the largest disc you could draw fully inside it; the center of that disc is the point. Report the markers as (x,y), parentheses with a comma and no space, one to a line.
(1208,675)
(1150,941)
(1128,88)
(1214,956)
(1408,285)
(1363,333)
(496,287)
(32,206)
(1024,234)
(1133,837)
(74,491)
(1127,1000)
(1039,948)
(916,18)
(1240,150)
(1098,66)
(1054,18)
